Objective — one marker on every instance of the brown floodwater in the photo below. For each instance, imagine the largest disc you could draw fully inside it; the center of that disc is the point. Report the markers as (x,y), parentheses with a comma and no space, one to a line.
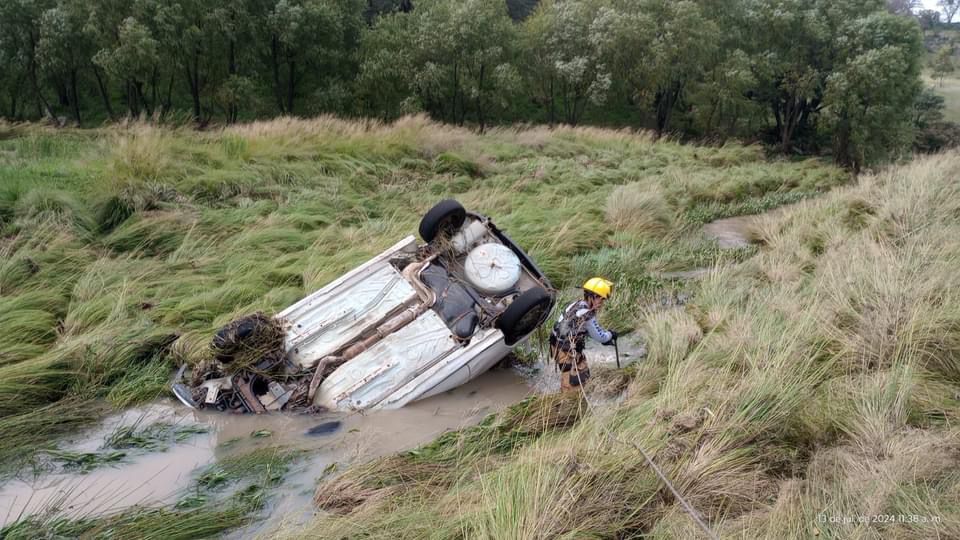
(731,232)
(160,478)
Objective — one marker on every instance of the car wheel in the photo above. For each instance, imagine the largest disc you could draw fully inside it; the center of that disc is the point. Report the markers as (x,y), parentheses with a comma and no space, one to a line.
(442,220)
(524,314)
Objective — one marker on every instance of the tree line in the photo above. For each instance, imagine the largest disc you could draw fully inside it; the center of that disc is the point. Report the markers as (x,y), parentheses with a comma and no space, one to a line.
(802,75)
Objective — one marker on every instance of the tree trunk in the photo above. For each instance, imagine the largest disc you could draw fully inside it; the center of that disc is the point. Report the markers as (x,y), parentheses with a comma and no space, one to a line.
(193,76)
(63,93)
(232,111)
(664,101)
(168,102)
(275,60)
(154,85)
(14,94)
(291,84)
(42,104)
(103,92)
(75,96)
(553,106)
(455,91)
(142,99)
(480,116)
(133,105)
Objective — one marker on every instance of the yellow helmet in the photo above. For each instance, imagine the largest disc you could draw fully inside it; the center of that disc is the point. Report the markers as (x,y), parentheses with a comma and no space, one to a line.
(599,286)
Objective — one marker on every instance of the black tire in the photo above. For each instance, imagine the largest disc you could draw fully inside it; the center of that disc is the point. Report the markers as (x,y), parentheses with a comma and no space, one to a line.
(524,314)
(441,220)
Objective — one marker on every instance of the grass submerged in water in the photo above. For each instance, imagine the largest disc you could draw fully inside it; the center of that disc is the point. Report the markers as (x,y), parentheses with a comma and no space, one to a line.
(200,513)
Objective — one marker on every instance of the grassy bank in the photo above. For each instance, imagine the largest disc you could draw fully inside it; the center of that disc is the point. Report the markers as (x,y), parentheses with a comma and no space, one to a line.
(124,248)
(810,391)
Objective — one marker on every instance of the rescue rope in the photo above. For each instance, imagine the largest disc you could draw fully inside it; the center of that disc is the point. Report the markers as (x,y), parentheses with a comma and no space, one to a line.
(683,502)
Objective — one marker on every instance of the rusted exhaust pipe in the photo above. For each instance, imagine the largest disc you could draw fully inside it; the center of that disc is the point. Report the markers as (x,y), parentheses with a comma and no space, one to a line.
(427,298)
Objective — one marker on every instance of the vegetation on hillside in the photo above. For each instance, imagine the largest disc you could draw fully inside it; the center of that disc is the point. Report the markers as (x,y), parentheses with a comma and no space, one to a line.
(804,76)
(124,249)
(807,392)
(812,376)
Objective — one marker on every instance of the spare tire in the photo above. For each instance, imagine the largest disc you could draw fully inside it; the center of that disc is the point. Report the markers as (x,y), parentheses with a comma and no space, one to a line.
(445,218)
(524,314)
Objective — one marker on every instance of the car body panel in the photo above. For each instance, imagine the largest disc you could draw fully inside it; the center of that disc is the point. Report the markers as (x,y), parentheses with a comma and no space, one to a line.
(335,315)
(457,368)
(393,362)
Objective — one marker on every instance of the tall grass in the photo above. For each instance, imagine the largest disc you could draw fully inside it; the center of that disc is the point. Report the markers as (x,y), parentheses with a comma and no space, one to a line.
(811,382)
(123,249)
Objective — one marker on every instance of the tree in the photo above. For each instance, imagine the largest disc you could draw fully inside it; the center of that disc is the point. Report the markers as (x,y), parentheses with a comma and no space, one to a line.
(310,38)
(949,8)
(902,7)
(870,94)
(388,57)
(132,59)
(659,49)
(942,63)
(564,64)
(929,19)
(452,57)
(64,48)
(928,108)
(21,31)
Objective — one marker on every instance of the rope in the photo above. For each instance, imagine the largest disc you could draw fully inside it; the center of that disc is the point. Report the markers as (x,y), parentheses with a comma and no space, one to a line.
(694,514)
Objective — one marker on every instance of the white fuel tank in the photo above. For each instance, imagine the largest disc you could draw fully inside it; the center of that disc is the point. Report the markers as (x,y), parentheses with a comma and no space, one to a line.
(492,269)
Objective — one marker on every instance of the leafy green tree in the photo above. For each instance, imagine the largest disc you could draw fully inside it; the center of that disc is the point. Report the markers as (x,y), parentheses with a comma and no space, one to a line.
(454,57)
(928,108)
(21,34)
(64,48)
(315,38)
(14,74)
(564,64)
(870,93)
(133,59)
(659,49)
(942,63)
(721,102)
(902,7)
(929,19)
(388,58)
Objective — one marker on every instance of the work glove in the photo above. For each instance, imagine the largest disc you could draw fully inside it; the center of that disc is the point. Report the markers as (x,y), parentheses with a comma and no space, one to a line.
(613,337)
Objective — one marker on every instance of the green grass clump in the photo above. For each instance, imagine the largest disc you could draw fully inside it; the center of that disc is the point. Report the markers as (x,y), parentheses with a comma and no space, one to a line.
(84,461)
(450,163)
(267,465)
(639,210)
(29,431)
(154,437)
(146,523)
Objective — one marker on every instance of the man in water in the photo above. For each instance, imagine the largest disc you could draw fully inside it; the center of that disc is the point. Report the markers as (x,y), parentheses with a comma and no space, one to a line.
(569,334)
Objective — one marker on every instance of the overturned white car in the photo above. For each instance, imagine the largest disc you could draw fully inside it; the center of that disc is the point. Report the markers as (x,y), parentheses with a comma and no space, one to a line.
(412,322)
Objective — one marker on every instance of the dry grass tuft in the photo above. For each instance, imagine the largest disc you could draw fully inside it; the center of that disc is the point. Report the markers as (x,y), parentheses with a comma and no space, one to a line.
(639,209)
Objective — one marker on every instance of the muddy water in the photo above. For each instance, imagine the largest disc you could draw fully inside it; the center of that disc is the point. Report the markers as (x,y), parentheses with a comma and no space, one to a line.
(728,233)
(162,477)
(731,232)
